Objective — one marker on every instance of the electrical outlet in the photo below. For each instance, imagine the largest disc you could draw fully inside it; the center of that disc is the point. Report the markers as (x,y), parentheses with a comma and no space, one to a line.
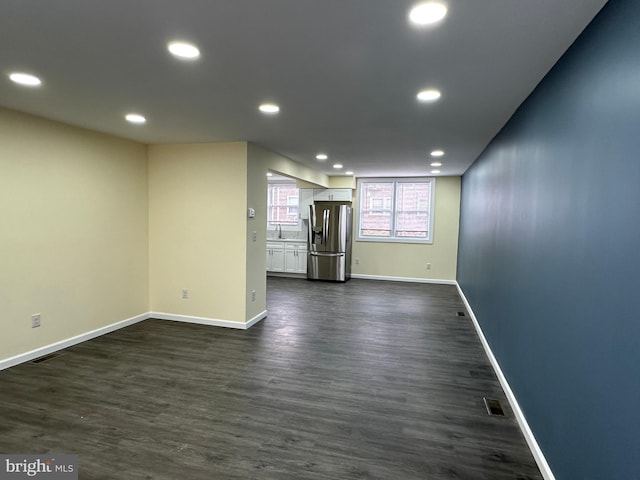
(35,320)
(428,266)
(185,293)
(254,235)
(357,261)
(253,295)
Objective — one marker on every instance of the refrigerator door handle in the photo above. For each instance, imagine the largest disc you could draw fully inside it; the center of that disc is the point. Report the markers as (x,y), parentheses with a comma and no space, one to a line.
(316,254)
(325,226)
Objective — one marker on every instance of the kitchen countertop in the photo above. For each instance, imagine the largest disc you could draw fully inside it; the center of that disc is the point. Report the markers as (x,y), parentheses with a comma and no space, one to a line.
(287,240)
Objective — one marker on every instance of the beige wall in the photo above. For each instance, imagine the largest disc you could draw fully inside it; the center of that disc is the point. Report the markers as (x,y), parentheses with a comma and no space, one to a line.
(73,247)
(407,260)
(197,229)
(344,181)
(256,250)
(200,236)
(277,163)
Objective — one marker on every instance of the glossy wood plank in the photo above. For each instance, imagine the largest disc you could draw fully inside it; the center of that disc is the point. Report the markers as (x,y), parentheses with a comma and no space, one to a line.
(361,380)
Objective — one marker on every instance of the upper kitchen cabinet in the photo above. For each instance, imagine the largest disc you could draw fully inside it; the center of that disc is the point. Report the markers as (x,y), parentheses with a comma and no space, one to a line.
(305,198)
(332,194)
(308,195)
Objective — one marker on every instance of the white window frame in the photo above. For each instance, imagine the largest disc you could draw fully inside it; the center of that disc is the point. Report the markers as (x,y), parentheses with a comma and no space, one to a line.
(396,181)
(293,202)
(284,226)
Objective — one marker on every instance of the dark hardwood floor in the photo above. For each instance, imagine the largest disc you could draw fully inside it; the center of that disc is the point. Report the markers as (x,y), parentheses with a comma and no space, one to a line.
(363,380)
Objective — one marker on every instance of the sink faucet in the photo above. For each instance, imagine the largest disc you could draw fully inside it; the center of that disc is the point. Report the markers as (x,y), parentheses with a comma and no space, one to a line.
(279,228)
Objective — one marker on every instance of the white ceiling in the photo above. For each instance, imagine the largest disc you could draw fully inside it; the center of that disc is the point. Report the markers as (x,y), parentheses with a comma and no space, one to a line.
(344,72)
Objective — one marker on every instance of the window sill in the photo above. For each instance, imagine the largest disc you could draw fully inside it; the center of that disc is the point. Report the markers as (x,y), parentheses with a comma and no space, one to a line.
(396,240)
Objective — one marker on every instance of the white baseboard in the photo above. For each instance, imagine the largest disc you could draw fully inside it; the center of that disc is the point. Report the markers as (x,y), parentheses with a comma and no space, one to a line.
(54,347)
(404,279)
(69,342)
(517,411)
(261,316)
(286,275)
(214,322)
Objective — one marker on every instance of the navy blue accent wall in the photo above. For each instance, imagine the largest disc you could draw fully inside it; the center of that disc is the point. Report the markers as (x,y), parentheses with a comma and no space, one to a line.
(549,253)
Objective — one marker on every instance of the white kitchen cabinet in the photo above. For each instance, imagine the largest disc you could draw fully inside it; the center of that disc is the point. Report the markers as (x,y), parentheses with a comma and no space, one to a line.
(305,199)
(287,256)
(275,257)
(295,258)
(333,195)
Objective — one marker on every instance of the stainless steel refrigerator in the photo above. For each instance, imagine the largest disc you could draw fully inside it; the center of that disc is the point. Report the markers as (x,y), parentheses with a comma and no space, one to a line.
(329,256)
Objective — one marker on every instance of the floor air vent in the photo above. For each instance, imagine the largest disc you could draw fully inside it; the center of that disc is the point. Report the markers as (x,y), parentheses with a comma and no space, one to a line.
(493,407)
(46,358)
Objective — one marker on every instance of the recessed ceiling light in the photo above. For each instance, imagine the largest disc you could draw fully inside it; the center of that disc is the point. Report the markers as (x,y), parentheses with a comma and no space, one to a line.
(269,108)
(348,172)
(25,79)
(337,166)
(435,171)
(322,156)
(436,164)
(427,13)
(429,95)
(135,118)
(437,153)
(183,50)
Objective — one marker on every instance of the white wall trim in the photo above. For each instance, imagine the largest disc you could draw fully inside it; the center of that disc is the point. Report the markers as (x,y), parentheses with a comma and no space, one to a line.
(261,316)
(214,322)
(521,419)
(404,279)
(286,274)
(69,342)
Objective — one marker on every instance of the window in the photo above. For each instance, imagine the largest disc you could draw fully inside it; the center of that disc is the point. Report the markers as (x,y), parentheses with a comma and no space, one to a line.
(396,210)
(282,204)
(292,204)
